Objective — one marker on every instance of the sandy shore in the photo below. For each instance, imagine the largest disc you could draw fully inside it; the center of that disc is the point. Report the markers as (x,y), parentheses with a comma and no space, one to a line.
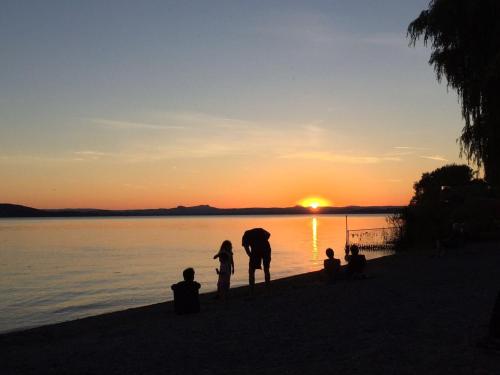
(417,314)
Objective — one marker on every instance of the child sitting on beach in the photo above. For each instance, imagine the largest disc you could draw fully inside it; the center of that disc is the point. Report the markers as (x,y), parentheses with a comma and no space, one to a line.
(186,297)
(356,263)
(331,266)
(226,268)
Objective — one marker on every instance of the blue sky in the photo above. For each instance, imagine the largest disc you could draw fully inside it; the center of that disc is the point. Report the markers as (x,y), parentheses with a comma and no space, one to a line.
(135,96)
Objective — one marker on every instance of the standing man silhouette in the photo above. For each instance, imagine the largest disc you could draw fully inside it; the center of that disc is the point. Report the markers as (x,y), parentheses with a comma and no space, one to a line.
(256,244)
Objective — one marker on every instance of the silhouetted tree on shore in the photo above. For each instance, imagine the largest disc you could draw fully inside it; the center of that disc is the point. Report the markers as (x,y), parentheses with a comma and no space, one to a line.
(465,40)
(446,196)
(430,188)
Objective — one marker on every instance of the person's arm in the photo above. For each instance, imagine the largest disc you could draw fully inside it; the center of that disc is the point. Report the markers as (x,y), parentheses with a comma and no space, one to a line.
(232,264)
(247,250)
(266,234)
(244,243)
(216,255)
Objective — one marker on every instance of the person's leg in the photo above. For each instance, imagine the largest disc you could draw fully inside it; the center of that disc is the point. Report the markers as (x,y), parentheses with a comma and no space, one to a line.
(217,296)
(251,277)
(266,262)
(267,274)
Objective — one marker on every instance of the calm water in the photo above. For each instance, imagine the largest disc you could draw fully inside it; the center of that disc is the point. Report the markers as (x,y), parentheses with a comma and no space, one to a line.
(53,270)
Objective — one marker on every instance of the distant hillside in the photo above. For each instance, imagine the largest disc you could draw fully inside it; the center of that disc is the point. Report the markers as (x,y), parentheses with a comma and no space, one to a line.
(16,210)
(11,210)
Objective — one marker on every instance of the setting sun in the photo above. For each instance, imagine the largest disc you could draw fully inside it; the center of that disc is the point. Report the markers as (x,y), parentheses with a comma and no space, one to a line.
(314,202)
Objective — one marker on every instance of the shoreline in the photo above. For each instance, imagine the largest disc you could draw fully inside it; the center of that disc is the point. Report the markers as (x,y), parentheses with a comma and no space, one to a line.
(206,298)
(8,210)
(310,213)
(415,314)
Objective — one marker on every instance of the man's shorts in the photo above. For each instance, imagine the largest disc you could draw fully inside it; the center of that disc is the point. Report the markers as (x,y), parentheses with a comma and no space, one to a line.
(256,261)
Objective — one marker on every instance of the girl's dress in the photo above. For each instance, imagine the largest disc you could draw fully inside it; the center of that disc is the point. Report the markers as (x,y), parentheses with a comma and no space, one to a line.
(224,281)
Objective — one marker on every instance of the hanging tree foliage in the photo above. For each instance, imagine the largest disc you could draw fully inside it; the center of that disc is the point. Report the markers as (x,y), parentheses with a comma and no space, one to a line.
(465,40)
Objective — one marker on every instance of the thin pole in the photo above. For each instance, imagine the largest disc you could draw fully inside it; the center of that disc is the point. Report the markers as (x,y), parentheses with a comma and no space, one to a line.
(346,232)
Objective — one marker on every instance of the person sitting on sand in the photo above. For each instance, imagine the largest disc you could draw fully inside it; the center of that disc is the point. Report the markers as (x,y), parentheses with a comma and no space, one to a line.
(186,295)
(347,255)
(226,268)
(356,264)
(331,266)
(256,244)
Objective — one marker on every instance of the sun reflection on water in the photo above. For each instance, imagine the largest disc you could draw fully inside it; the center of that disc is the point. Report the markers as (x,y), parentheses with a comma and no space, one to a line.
(314,224)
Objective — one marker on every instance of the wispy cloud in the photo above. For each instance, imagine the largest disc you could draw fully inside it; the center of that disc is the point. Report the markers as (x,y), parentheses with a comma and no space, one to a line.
(192,118)
(310,28)
(434,157)
(119,124)
(405,150)
(340,158)
(176,121)
(91,155)
(317,30)
(409,148)
(315,127)
(29,159)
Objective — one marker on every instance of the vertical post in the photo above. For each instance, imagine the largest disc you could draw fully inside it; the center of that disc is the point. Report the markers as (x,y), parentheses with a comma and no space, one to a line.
(346,233)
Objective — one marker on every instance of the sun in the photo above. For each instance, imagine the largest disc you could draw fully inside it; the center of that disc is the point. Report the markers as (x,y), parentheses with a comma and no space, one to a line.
(314,202)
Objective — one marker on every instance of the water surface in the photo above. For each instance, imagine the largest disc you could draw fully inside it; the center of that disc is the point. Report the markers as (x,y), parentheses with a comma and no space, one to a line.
(53,270)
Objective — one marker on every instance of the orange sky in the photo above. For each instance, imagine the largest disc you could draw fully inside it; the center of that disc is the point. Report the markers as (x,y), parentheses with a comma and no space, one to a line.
(220,182)
(258,105)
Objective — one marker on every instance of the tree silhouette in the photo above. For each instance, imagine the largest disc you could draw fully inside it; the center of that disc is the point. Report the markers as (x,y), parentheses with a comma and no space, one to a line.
(465,40)
(429,189)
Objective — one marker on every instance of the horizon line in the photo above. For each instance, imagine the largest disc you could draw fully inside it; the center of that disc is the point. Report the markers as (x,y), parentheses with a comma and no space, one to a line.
(205,206)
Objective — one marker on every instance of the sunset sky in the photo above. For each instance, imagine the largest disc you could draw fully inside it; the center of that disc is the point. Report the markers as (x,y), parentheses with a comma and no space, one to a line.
(145,104)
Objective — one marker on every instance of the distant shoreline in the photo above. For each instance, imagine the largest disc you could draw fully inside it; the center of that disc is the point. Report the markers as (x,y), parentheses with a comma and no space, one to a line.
(18,211)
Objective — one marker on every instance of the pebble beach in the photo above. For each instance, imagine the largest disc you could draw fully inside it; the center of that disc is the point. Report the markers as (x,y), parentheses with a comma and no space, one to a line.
(416,313)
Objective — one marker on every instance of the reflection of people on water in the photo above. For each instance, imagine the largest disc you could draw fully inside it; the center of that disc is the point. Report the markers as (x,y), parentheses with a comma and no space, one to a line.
(226,267)
(256,244)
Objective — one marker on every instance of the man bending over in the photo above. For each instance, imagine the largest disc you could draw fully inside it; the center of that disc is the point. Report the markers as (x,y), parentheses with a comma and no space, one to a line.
(256,244)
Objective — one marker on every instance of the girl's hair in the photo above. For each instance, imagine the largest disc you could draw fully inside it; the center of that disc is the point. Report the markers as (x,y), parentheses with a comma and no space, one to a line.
(223,256)
(226,247)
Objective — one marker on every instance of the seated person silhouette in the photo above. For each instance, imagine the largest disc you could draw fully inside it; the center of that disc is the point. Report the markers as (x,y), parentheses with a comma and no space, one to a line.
(331,266)
(186,297)
(357,263)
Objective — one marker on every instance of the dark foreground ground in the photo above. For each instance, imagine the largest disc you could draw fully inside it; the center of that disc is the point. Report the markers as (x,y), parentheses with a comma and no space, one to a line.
(417,315)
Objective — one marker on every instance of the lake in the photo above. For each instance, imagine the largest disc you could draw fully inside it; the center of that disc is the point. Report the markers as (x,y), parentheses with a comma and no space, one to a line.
(53,270)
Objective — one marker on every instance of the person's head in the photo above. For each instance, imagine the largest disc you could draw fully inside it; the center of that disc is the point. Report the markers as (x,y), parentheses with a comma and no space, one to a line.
(354,249)
(188,274)
(226,247)
(329,253)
